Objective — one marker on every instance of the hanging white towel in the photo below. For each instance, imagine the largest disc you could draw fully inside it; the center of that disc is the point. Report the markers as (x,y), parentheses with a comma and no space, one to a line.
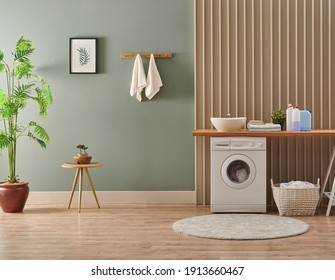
(154,81)
(138,80)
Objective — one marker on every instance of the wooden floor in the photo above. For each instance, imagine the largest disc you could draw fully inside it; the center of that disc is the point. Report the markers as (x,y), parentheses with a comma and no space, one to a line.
(135,232)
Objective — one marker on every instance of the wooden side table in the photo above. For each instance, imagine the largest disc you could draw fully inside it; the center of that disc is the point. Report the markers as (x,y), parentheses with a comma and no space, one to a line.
(79,173)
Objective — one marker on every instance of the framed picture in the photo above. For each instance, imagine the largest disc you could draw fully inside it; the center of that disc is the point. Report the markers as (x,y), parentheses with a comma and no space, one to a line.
(83,55)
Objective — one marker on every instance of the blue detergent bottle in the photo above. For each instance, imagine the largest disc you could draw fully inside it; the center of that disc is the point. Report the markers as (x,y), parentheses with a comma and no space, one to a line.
(305,120)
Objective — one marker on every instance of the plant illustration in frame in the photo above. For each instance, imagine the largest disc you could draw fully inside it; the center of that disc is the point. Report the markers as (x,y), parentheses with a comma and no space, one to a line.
(83,55)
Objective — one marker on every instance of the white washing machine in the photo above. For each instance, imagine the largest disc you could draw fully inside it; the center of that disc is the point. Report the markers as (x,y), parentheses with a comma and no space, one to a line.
(238,174)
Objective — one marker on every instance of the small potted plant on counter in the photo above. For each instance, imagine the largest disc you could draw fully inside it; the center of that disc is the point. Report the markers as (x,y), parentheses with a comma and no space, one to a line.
(23,88)
(279,117)
(83,157)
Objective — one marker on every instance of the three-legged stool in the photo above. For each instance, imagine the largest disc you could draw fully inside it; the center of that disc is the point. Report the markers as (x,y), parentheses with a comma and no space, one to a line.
(79,173)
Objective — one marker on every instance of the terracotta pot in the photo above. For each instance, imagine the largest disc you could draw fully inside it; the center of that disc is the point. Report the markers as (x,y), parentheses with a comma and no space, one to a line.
(13,197)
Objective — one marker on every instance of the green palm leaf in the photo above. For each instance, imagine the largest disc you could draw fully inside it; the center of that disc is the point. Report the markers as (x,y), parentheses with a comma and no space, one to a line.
(24,69)
(39,131)
(3,98)
(39,141)
(23,50)
(84,57)
(9,109)
(39,134)
(23,91)
(5,140)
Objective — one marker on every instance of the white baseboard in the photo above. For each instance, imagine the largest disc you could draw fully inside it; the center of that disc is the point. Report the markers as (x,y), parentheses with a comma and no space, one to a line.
(117,197)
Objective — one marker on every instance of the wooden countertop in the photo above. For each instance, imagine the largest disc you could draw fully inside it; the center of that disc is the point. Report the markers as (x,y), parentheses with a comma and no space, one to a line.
(246,132)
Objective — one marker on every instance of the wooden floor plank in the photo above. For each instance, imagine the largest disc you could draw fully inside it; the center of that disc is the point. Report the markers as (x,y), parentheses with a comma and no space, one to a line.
(128,232)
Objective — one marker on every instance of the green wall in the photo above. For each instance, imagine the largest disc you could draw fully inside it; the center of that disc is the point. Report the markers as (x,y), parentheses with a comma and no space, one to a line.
(145,146)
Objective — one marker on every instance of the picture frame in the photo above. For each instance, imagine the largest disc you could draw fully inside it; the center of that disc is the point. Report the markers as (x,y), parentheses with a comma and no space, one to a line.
(83,55)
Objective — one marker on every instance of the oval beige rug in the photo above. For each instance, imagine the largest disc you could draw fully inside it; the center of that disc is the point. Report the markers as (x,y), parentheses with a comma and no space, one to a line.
(240,226)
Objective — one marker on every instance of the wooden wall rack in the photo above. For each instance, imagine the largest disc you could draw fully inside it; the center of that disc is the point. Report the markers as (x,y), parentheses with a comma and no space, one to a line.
(147,55)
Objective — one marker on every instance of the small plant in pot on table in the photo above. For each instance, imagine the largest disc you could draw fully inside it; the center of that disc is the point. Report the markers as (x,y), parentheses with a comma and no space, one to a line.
(83,157)
(23,87)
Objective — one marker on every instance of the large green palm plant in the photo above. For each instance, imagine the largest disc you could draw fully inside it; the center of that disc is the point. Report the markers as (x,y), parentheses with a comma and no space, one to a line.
(23,85)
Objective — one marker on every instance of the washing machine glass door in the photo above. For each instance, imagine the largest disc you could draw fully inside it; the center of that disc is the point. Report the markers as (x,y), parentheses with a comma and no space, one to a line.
(238,171)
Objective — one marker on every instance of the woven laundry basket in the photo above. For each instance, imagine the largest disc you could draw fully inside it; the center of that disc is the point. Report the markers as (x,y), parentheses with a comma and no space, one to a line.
(296,201)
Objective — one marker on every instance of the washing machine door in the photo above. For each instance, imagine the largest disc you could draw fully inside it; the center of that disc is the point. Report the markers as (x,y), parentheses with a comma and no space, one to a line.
(238,171)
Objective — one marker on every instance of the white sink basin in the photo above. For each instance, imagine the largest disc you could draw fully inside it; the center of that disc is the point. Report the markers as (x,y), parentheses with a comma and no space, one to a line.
(228,124)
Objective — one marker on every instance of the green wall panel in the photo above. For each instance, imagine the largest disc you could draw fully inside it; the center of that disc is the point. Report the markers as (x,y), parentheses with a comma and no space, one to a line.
(144,146)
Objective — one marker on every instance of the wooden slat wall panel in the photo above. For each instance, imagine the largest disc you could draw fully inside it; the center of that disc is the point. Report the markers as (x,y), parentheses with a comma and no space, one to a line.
(255,56)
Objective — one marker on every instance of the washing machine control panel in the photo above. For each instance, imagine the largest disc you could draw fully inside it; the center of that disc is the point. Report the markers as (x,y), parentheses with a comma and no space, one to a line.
(239,143)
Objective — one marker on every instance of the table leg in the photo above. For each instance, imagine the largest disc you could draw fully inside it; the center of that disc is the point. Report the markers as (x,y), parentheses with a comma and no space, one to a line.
(327,175)
(80,188)
(74,187)
(92,186)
